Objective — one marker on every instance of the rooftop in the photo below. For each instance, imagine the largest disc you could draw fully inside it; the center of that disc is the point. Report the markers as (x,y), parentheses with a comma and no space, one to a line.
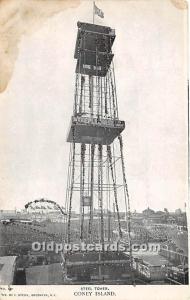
(44,274)
(154,260)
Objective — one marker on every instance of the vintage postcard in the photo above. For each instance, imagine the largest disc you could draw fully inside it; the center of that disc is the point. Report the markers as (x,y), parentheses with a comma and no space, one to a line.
(94,149)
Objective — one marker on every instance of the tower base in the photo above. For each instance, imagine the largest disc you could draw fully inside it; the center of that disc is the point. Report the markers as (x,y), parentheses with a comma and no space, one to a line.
(97,267)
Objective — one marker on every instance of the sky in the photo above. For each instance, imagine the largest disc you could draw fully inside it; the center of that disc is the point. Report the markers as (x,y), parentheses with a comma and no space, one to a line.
(151,77)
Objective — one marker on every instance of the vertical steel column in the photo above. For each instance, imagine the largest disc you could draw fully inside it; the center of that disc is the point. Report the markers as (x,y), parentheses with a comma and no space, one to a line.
(101,98)
(98,98)
(81,93)
(114,187)
(82,176)
(113,94)
(108,195)
(117,114)
(72,185)
(91,190)
(76,95)
(90,91)
(100,202)
(91,95)
(105,95)
(100,192)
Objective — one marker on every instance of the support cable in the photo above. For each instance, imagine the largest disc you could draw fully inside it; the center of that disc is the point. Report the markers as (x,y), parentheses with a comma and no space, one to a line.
(114,188)
(72,186)
(68,187)
(127,204)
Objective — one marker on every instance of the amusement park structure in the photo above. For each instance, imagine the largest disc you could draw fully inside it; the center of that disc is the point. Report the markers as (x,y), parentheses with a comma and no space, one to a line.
(96,173)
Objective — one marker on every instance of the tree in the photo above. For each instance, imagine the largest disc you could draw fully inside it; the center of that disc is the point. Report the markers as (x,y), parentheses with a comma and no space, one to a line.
(178,211)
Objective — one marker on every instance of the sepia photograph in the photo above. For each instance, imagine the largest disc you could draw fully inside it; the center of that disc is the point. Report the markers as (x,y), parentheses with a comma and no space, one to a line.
(93,146)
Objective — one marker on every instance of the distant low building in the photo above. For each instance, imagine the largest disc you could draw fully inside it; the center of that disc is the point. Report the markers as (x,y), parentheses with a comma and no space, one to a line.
(148,212)
(4,214)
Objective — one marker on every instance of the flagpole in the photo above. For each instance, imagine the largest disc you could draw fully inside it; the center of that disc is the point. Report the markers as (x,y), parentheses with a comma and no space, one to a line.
(93,11)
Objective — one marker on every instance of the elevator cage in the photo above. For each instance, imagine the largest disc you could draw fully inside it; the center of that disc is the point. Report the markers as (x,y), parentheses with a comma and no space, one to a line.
(93,49)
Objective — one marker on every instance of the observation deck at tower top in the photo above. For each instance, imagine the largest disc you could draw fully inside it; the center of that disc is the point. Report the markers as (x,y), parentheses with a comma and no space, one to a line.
(93,49)
(95,114)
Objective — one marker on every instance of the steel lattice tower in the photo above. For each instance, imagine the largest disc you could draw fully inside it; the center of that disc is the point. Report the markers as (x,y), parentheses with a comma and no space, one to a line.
(96,147)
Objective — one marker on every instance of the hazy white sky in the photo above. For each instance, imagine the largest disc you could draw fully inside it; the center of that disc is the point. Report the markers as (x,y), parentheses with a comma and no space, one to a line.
(150,65)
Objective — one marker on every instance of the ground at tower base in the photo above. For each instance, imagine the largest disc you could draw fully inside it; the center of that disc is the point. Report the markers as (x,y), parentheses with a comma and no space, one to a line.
(166,265)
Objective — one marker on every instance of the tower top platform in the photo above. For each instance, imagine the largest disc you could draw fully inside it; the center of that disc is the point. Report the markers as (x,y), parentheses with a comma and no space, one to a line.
(95,28)
(93,49)
(94,37)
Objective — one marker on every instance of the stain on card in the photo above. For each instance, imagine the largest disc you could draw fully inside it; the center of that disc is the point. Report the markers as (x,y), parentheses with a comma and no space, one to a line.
(20,17)
(180,4)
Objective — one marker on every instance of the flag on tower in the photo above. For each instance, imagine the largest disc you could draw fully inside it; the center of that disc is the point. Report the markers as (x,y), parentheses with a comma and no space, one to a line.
(98,11)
